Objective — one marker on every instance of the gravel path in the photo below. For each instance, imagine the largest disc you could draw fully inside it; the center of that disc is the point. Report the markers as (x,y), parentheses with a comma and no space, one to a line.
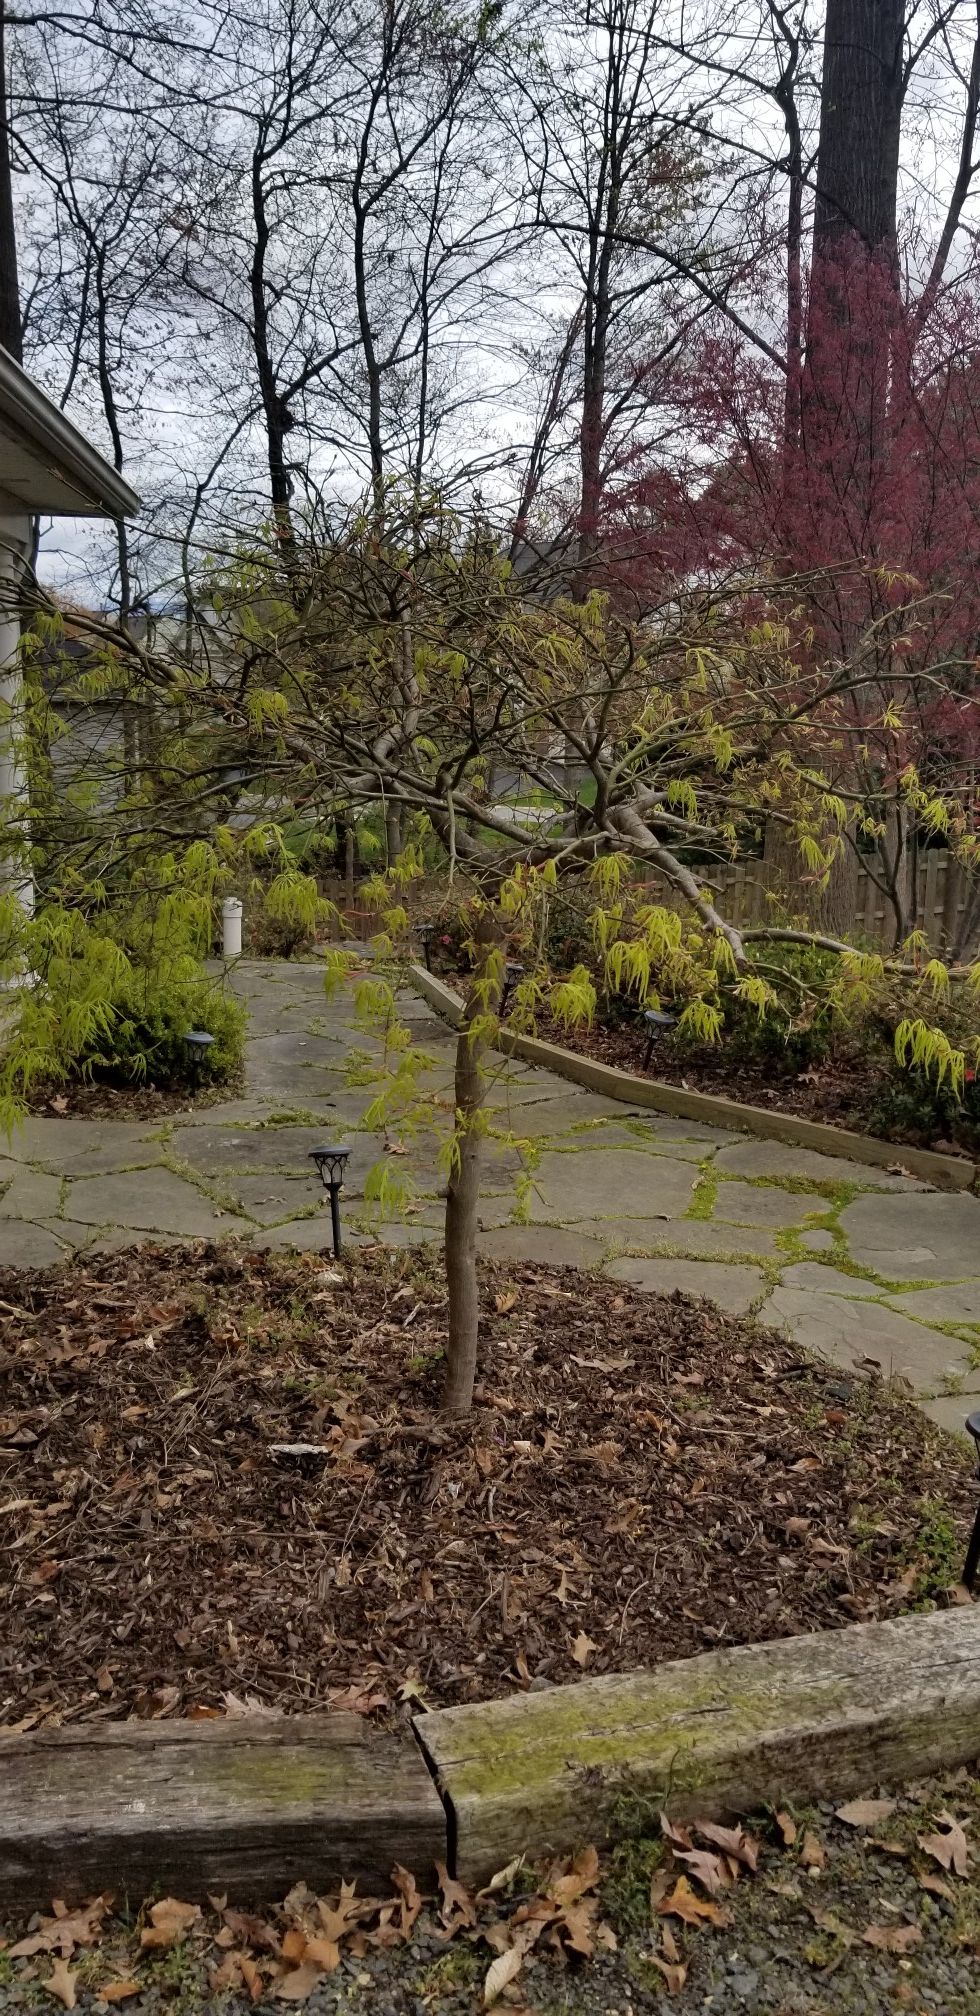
(795,1945)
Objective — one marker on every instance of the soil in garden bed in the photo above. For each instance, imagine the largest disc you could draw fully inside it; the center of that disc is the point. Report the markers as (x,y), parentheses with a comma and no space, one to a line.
(643,1478)
(841,1091)
(95,1100)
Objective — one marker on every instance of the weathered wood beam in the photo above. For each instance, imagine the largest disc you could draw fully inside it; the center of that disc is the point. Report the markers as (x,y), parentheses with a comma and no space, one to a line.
(823,1716)
(244,1806)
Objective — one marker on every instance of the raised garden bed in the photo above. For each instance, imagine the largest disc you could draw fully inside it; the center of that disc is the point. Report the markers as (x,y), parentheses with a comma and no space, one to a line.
(642,1479)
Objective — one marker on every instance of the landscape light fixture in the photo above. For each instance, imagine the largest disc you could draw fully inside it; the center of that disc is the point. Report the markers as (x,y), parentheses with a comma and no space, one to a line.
(972,1562)
(330,1165)
(425,933)
(654,1020)
(513,972)
(197,1043)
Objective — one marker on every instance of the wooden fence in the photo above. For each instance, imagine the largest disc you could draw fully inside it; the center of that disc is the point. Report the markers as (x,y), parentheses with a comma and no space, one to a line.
(944,896)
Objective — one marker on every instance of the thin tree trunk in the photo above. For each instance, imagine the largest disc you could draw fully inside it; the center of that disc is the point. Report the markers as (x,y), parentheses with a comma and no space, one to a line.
(10,332)
(463,1202)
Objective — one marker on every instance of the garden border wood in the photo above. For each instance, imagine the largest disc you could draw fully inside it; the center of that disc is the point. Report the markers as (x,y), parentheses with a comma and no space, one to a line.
(946,1172)
(822,1716)
(250,1806)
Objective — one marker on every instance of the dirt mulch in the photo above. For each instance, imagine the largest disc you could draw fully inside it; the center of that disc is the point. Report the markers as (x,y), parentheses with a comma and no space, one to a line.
(93,1100)
(643,1478)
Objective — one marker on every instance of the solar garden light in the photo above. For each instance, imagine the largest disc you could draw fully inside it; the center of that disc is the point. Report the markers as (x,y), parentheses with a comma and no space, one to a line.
(513,972)
(330,1164)
(425,933)
(197,1043)
(972,1562)
(654,1019)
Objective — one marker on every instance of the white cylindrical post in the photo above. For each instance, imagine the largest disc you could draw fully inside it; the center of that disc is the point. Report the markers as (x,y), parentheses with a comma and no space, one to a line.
(231,928)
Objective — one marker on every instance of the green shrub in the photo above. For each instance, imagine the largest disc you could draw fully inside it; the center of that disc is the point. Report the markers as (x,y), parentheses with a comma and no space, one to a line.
(115,993)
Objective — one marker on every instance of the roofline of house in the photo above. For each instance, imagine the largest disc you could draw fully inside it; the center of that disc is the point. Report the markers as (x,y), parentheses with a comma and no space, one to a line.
(30,409)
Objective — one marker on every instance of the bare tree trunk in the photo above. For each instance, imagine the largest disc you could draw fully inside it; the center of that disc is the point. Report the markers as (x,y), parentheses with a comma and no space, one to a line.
(462,1204)
(10,337)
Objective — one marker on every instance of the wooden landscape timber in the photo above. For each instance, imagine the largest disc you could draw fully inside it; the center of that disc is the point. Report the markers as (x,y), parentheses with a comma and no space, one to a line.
(250,1805)
(247,1806)
(945,1172)
(822,1716)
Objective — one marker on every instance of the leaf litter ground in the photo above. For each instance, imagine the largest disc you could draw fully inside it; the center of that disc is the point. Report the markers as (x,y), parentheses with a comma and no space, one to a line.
(643,1478)
(870,1907)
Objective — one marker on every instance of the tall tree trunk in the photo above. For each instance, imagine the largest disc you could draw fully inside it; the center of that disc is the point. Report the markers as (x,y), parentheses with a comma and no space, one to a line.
(860,125)
(463,1198)
(10,332)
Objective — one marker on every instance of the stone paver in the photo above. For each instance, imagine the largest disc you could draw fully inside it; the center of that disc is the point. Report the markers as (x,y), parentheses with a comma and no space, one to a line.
(159,1202)
(734,1288)
(616,1181)
(745,1204)
(915,1238)
(610,1181)
(862,1336)
(777,1158)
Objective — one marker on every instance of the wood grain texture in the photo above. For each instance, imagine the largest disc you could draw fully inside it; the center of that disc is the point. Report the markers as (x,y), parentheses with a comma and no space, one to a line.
(826,1715)
(242,1806)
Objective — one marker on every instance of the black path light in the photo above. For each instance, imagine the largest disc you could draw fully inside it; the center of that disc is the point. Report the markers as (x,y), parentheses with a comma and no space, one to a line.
(655,1020)
(513,973)
(972,1562)
(330,1166)
(197,1043)
(426,932)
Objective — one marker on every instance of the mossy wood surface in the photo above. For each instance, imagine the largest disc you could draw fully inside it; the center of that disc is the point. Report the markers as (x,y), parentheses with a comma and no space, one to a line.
(243,1806)
(826,1716)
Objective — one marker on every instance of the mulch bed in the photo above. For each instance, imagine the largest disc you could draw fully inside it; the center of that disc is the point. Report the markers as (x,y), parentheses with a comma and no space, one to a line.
(94,1100)
(840,1092)
(642,1478)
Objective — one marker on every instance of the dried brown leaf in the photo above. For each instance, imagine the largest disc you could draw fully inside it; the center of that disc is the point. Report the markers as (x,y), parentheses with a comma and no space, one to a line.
(951,1849)
(708,1869)
(684,1903)
(299,1983)
(501,1972)
(119,1991)
(813,1854)
(673,1971)
(582,1649)
(170,1920)
(865,1812)
(787,1828)
(733,1840)
(893,1938)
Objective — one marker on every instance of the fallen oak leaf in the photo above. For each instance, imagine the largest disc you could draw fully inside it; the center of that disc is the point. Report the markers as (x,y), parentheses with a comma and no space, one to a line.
(787,1828)
(813,1854)
(582,1648)
(673,1971)
(684,1903)
(299,1983)
(293,1944)
(893,1938)
(732,1840)
(323,1952)
(709,1869)
(936,1887)
(501,1972)
(169,1921)
(679,1837)
(951,1849)
(457,1908)
(119,1991)
(411,1902)
(865,1812)
(61,1983)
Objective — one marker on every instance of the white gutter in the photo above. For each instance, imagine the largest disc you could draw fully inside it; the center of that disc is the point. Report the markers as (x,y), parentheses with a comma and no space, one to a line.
(34,416)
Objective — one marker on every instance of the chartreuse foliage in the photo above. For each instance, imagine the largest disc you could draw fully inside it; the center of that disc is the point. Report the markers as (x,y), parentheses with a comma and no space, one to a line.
(114,989)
